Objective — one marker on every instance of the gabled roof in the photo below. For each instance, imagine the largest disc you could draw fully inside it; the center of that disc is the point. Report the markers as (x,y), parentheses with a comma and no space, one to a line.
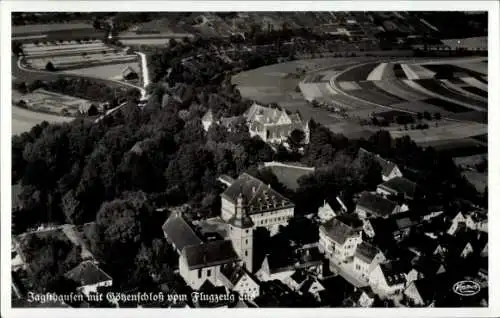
(426,289)
(299,277)
(338,231)
(366,252)
(279,263)
(257,196)
(87,273)
(376,204)
(127,71)
(394,272)
(179,232)
(233,272)
(427,265)
(386,165)
(208,117)
(400,185)
(209,254)
(263,115)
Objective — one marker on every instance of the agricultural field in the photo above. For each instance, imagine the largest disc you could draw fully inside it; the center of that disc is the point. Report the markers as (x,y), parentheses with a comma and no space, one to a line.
(351,90)
(110,71)
(23,119)
(65,55)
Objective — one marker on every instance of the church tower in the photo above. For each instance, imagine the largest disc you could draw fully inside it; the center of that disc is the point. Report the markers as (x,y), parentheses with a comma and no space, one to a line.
(241,233)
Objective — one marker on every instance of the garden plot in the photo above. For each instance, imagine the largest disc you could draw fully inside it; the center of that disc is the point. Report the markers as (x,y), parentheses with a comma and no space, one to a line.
(396,88)
(50,102)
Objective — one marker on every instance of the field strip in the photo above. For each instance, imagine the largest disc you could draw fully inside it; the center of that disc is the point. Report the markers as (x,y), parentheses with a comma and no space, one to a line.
(377,72)
(474,82)
(349,86)
(463,91)
(391,88)
(310,91)
(448,132)
(410,74)
(418,87)
(29,37)
(455,61)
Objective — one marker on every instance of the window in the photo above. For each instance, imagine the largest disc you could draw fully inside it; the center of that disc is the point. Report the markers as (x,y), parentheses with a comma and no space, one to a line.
(246,231)
(199,273)
(246,253)
(246,241)
(209,272)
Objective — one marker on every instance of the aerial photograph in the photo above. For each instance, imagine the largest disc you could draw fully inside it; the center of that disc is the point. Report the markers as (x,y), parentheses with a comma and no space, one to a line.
(321,159)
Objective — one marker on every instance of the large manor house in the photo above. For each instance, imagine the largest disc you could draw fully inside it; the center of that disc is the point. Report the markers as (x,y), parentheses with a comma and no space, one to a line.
(273,125)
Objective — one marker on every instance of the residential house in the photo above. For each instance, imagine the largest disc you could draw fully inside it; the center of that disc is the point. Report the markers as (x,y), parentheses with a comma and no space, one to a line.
(366,258)
(311,286)
(325,212)
(274,125)
(421,292)
(364,297)
(226,180)
(89,277)
(389,169)
(425,267)
(389,278)
(276,267)
(179,233)
(265,206)
(201,262)
(399,187)
(296,279)
(374,205)
(339,238)
(208,289)
(476,220)
(238,279)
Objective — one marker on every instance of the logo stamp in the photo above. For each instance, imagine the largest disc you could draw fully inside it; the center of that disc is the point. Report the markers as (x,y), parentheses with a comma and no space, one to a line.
(466,288)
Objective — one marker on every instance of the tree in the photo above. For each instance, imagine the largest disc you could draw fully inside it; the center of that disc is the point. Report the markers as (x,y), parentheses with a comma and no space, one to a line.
(50,67)
(427,115)
(437,116)
(296,138)
(420,116)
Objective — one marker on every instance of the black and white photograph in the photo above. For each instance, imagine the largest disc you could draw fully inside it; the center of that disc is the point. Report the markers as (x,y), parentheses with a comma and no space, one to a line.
(247,159)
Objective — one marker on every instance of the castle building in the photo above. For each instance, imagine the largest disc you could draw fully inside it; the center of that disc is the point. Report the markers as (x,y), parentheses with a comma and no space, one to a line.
(240,227)
(264,206)
(272,125)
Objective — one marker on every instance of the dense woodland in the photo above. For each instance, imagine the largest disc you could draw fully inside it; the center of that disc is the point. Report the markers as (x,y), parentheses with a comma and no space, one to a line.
(117,172)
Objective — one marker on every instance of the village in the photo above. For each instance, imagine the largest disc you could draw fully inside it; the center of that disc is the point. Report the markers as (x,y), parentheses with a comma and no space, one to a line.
(183,160)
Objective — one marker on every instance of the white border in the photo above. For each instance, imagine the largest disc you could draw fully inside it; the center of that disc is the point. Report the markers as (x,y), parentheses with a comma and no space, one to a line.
(5,117)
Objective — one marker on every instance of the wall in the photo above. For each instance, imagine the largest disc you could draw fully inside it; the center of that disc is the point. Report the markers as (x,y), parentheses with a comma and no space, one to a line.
(192,277)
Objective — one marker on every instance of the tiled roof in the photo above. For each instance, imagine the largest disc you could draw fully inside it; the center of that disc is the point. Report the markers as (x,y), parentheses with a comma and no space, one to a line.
(366,252)
(394,272)
(128,70)
(376,204)
(338,231)
(279,263)
(233,273)
(179,232)
(400,185)
(426,289)
(299,276)
(263,114)
(209,254)
(87,273)
(257,196)
(386,165)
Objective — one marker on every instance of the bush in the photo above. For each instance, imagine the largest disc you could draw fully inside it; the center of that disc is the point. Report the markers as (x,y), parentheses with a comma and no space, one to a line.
(50,67)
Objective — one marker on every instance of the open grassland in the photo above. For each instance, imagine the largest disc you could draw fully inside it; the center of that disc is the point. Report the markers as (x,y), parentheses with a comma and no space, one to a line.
(42,28)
